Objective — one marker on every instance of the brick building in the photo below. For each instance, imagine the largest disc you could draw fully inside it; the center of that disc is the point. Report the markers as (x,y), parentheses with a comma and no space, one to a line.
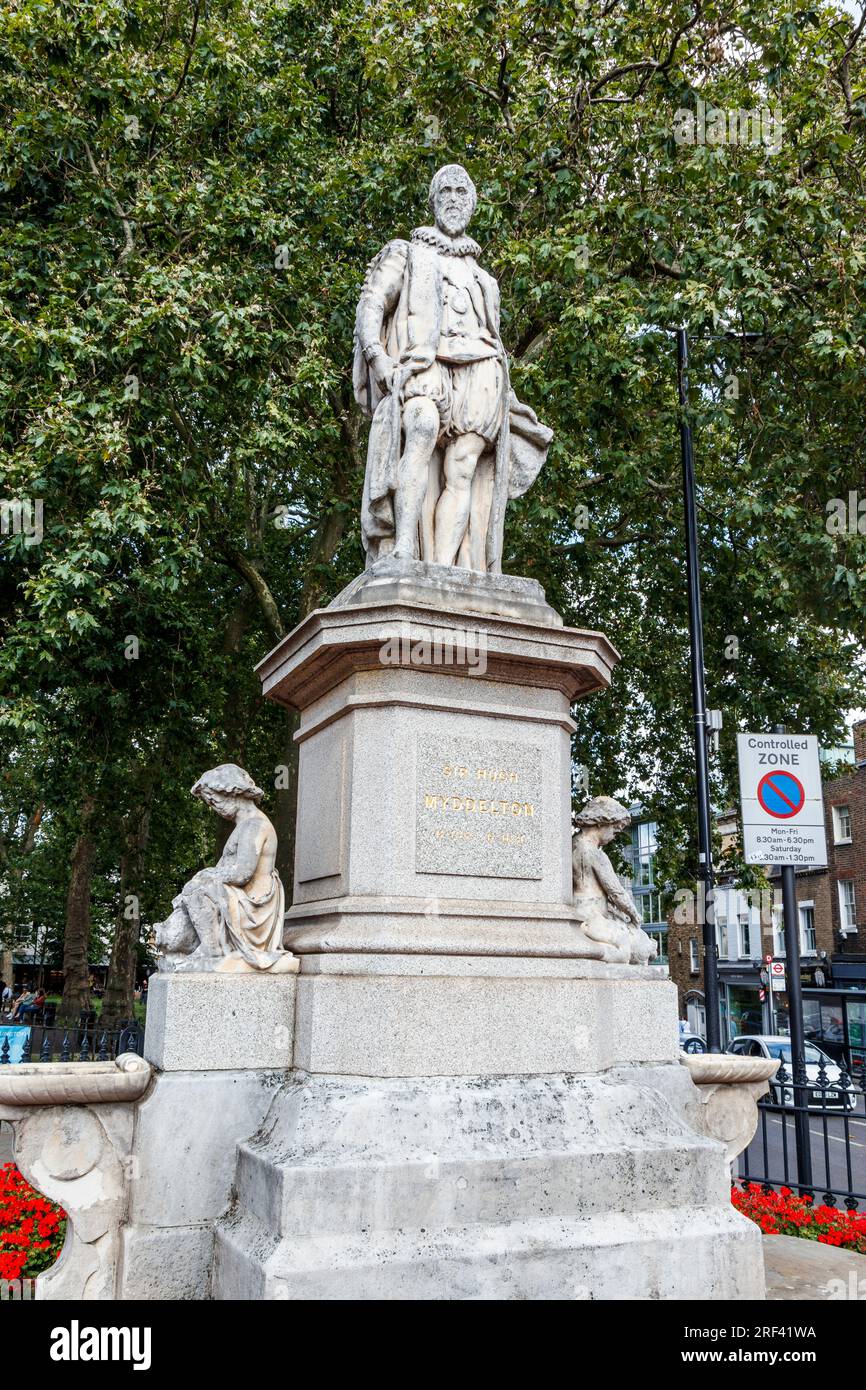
(831,907)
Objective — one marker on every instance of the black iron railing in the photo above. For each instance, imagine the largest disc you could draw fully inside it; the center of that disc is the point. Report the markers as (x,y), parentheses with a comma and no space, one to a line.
(833,1114)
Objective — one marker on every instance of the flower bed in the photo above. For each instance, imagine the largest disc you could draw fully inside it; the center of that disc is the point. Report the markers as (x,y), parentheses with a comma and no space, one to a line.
(32,1229)
(783,1213)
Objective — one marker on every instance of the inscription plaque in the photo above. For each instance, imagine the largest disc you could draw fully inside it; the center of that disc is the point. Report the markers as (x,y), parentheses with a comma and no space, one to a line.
(478,808)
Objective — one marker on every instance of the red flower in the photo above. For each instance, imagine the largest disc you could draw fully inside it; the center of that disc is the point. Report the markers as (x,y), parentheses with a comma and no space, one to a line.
(32,1229)
(783,1213)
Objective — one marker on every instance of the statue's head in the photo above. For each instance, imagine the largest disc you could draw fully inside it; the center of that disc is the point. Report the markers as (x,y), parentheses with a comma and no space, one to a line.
(452,198)
(225,788)
(605,815)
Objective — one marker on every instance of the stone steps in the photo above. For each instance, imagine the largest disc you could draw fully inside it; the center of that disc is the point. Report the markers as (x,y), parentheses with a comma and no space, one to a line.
(611,1255)
(294,1199)
(482,1187)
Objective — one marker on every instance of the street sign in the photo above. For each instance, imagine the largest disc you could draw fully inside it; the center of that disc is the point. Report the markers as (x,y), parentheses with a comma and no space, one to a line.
(780,795)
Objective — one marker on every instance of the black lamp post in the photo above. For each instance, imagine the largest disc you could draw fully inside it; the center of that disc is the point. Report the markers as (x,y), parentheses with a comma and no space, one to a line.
(699,707)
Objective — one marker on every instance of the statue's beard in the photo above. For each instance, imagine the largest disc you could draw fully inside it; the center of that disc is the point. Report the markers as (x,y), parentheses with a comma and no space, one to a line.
(452,223)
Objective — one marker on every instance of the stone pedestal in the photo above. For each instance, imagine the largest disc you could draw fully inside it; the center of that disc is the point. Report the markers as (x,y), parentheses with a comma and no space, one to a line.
(542,1187)
(434,783)
(394,1015)
(223,1047)
(482,1109)
(213,1022)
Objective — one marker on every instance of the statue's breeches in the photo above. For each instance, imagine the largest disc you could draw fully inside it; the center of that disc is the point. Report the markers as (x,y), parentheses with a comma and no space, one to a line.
(468,396)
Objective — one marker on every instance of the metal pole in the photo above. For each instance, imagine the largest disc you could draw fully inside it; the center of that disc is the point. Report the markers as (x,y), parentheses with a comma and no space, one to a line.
(699,706)
(794,989)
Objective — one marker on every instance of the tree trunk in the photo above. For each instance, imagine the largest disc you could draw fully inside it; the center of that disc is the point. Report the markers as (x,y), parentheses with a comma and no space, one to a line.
(76,942)
(9,931)
(118,1004)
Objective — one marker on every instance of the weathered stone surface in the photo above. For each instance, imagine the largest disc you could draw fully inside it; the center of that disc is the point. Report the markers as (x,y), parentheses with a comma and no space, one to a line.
(181,1178)
(75,1083)
(729,1089)
(450,588)
(81,1157)
(485,1187)
(332,644)
(802,1271)
(213,1022)
(186,1134)
(167,1264)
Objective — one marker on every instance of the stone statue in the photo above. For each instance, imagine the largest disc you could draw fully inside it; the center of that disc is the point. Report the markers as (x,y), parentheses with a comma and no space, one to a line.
(607,909)
(230,918)
(449,441)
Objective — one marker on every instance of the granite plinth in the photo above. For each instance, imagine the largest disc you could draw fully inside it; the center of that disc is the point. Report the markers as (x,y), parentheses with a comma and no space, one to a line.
(215,1022)
(426,781)
(423,1015)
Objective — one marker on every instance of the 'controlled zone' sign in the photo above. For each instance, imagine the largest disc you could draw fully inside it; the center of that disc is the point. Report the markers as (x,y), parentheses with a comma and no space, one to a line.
(780,793)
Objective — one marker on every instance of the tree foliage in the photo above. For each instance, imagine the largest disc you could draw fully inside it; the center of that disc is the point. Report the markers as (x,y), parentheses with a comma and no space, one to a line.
(190,194)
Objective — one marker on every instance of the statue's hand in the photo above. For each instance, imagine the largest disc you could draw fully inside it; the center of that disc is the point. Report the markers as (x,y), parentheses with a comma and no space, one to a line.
(382,368)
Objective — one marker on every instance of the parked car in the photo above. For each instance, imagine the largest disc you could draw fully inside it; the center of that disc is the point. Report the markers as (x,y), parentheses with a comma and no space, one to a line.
(689,1041)
(832,1095)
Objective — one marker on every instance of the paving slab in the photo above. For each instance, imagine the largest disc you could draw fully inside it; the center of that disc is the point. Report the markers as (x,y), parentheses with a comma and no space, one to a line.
(804,1271)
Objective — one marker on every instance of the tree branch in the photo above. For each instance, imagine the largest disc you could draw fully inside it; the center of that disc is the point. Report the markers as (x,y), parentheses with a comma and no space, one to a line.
(125,222)
(243,566)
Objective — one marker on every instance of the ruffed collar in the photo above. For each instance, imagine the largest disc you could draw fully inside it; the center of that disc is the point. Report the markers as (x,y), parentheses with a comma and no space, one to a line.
(449,246)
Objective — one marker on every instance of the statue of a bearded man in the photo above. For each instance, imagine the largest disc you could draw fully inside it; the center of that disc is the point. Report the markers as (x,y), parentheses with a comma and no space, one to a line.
(449,441)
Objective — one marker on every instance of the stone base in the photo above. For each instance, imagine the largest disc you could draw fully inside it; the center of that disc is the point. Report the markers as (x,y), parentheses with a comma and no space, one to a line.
(217,1022)
(369,1015)
(554,1187)
(181,1176)
(451,588)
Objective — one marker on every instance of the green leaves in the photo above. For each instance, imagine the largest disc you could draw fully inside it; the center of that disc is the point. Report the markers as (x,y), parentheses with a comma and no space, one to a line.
(185,229)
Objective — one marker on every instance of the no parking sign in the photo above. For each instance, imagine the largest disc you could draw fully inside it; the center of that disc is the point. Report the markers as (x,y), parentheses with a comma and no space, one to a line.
(781,795)
(780,792)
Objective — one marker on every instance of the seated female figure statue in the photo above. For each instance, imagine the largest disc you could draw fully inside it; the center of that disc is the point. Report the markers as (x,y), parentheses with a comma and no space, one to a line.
(230,918)
(607,909)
